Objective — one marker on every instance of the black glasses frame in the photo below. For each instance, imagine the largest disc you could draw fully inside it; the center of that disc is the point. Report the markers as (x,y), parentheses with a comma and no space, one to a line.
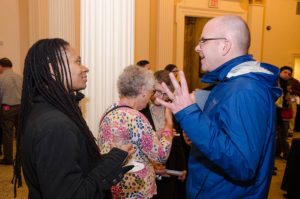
(203,40)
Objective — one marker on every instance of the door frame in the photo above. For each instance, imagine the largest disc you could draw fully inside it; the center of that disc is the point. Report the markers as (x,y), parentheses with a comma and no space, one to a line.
(183,10)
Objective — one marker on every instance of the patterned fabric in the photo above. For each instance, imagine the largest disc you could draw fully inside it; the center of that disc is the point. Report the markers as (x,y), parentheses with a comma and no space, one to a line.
(130,126)
(158,116)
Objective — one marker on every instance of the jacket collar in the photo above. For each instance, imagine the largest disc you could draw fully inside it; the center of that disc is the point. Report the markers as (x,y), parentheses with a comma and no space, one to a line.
(220,73)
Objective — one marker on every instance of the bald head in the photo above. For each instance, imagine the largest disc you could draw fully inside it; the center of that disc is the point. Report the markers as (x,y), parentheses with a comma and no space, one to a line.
(222,39)
(235,29)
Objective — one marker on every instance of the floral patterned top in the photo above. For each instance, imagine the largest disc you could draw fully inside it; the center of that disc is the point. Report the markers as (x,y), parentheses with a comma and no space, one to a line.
(131,126)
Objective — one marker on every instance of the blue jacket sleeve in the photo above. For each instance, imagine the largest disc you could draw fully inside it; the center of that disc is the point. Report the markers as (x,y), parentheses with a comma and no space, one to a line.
(232,135)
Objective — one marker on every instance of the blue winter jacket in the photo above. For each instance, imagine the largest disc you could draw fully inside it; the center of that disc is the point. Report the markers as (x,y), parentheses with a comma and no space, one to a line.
(235,131)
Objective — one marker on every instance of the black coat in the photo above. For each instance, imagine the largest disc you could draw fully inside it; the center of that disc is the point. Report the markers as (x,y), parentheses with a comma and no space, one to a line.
(56,162)
(171,188)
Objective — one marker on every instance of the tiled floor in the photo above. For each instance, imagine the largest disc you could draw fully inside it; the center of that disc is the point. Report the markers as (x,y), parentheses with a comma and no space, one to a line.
(275,191)
(6,188)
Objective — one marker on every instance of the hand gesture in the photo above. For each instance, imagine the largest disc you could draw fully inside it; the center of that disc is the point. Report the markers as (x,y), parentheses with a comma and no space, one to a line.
(180,98)
(182,176)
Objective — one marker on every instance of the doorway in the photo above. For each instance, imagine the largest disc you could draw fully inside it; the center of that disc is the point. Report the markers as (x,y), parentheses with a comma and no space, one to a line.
(297,67)
(191,61)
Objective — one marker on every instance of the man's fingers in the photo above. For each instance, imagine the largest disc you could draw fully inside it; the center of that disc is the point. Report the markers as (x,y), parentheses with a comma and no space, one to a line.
(193,97)
(167,91)
(184,86)
(164,103)
(180,98)
(175,84)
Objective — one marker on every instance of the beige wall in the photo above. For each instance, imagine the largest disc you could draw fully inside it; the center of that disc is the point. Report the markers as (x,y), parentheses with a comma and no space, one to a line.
(284,37)
(77,25)
(256,26)
(153,33)
(233,5)
(153,30)
(201,10)
(23,22)
(277,45)
(10,32)
(297,67)
(142,30)
(24,31)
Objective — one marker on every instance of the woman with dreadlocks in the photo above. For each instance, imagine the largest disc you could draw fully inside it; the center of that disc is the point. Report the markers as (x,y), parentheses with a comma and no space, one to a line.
(55,147)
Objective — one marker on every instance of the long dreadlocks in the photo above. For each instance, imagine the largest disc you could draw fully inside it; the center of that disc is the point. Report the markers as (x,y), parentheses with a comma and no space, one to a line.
(47,73)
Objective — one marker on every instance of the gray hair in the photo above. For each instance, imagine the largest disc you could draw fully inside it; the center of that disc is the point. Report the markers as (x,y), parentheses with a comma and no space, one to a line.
(134,80)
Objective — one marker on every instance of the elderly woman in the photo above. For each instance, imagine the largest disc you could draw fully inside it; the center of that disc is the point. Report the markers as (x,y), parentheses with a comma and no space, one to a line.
(122,122)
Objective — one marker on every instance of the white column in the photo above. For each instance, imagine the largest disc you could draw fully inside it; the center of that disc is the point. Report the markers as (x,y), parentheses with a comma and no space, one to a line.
(107,46)
(38,20)
(62,20)
(165,31)
(53,18)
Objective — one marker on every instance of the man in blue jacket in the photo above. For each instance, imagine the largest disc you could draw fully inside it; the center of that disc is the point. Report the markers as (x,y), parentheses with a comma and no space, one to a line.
(233,137)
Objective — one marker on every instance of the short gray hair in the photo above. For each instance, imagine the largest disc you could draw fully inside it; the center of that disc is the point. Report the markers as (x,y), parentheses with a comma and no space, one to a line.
(133,80)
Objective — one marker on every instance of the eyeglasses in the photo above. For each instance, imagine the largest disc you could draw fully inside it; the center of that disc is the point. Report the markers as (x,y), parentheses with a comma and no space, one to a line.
(159,93)
(202,41)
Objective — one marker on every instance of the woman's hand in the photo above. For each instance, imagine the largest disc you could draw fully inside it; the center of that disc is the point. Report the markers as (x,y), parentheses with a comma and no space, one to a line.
(160,169)
(180,98)
(183,176)
(186,139)
(128,148)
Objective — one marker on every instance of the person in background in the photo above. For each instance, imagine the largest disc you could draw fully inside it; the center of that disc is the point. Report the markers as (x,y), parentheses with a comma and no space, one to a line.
(0,132)
(146,111)
(284,111)
(295,92)
(0,138)
(1,153)
(169,186)
(10,98)
(144,64)
(233,138)
(123,123)
(172,68)
(55,147)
